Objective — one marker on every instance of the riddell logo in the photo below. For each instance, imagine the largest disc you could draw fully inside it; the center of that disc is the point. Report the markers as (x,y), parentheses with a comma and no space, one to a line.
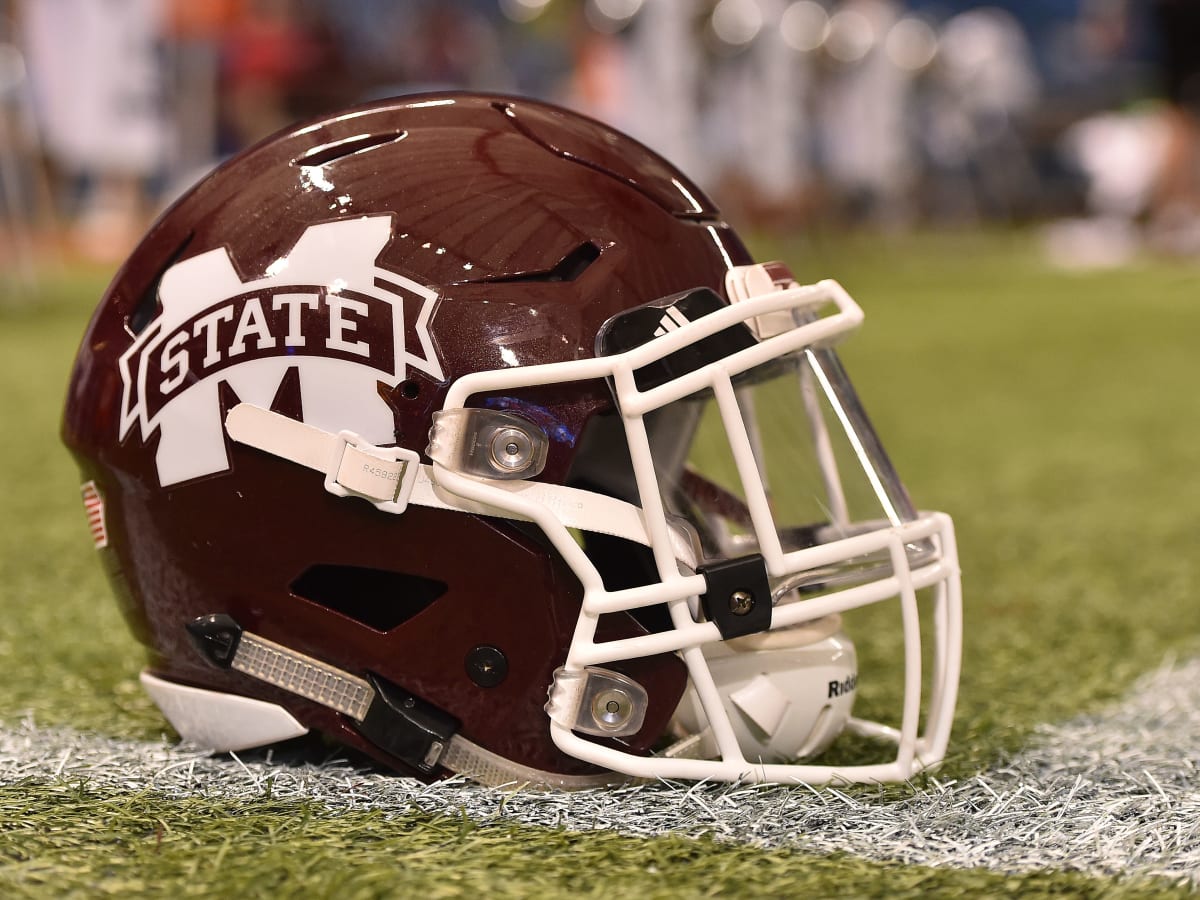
(326,310)
(844,687)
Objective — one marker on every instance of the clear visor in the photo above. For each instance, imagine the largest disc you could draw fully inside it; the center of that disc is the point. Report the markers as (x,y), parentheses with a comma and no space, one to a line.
(819,465)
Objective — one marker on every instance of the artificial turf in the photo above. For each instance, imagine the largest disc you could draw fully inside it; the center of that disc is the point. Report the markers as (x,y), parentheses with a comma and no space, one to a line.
(69,840)
(1055,416)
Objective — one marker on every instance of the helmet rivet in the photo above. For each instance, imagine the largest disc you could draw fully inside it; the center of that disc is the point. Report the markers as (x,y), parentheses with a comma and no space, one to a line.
(612,708)
(511,450)
(741,603)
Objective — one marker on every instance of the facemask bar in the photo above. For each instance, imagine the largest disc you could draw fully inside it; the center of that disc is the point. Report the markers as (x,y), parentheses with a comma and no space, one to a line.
(678,585)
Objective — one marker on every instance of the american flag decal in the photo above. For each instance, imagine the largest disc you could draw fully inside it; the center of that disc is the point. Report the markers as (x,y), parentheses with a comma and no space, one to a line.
(93,505)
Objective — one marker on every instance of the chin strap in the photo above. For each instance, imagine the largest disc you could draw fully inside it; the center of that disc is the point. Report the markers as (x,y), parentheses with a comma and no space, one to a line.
(404,726)
(391,478)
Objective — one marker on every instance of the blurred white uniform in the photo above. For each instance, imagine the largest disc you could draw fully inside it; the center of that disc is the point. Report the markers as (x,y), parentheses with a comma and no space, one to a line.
(94,68)
(864,108)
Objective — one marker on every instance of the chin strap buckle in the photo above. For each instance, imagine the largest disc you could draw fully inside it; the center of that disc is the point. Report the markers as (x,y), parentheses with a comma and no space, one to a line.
(352,466)
(383,475)
(401,724)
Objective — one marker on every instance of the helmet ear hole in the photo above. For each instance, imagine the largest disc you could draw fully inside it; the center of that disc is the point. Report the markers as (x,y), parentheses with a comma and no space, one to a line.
(378,599)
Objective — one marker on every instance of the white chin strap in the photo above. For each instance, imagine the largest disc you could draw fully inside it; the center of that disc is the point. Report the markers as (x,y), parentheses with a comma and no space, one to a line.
(391,478)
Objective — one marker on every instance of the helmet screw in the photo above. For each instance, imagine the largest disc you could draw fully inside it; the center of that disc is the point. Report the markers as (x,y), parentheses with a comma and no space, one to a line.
(487,666)
(741,602)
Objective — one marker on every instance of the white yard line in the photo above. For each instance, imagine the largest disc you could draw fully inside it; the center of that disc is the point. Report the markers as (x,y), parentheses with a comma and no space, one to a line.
(1115,793)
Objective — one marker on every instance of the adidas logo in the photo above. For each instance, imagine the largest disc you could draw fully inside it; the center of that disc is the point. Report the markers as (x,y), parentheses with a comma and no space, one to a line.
(672,320)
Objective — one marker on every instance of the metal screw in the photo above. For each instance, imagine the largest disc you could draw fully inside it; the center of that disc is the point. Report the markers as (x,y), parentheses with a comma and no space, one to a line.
(741,602)
(486,665)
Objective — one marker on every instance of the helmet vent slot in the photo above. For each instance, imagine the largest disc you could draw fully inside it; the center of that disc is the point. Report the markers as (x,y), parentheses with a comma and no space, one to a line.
(327,153)
(377,598)
(569,268)
(574,263)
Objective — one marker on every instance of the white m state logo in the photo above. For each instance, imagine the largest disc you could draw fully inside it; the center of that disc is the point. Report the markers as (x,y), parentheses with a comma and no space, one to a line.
(326,310)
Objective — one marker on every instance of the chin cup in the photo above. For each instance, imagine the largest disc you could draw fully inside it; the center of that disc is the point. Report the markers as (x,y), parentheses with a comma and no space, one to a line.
(787,695)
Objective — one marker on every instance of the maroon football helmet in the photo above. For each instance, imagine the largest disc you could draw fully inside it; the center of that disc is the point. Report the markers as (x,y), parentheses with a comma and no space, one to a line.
(461,429)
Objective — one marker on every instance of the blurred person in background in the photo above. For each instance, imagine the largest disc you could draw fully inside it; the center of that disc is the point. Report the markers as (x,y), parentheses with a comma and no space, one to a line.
(793,112)
(980,97)
(394,48)
(654,69)
(24,193)
(279,63)
(757,113)
(195,31)
(863,108)
(1140,161)
(97,80)
(1175,202)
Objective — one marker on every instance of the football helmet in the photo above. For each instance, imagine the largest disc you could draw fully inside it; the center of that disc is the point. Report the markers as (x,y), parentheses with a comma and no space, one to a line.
(461,429)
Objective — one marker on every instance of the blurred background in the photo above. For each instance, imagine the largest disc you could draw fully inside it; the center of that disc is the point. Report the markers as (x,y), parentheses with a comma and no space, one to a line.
(1077,117)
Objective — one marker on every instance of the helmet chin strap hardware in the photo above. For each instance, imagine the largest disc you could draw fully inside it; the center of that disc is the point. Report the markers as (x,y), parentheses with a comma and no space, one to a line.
(398,723)
(738,599)
(313,447)
(597,701)
(353,467)
(406,726)
(216,637)
(383,475)
(746,282)
(488,443)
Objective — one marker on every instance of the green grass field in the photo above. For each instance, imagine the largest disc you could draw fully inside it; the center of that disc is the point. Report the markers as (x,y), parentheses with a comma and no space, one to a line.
(1055,416)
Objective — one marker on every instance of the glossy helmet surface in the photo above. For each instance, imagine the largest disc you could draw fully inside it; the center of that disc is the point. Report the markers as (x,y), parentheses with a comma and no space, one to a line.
(461,429)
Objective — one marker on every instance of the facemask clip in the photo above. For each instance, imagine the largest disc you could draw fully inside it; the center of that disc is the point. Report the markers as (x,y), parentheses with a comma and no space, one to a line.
(738,598)
(488,443)
(597,701)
